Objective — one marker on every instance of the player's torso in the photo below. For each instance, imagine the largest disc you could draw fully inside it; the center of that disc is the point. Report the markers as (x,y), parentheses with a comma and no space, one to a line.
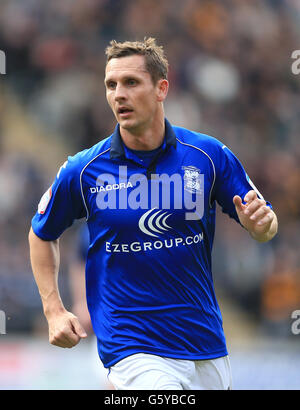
(125,197)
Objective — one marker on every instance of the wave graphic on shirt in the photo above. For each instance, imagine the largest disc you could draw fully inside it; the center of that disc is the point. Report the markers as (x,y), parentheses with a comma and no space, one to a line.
(155,224)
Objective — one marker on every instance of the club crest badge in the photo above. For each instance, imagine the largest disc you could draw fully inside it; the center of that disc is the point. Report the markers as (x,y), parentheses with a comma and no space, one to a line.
(192,179)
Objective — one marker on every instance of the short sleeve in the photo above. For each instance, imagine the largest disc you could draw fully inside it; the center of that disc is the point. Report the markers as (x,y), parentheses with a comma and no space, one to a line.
(61,204)
(231,180)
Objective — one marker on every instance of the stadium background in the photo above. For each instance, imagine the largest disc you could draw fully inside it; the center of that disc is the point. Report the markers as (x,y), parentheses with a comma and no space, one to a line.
(230,74)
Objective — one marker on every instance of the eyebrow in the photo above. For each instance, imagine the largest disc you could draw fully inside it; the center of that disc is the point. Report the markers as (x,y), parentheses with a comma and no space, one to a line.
(125,78)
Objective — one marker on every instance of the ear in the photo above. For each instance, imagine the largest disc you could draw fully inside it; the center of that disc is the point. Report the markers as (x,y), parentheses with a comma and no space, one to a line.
(162,89)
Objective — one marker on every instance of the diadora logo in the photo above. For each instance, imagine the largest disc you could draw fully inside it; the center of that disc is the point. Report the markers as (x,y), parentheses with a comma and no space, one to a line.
(154,224)
(110,187)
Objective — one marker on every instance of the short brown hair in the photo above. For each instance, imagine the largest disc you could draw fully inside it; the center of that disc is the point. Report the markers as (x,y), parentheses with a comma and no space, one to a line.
(155,61)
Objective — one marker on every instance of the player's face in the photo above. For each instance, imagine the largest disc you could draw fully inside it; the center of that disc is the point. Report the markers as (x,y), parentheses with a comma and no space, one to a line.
(131,93)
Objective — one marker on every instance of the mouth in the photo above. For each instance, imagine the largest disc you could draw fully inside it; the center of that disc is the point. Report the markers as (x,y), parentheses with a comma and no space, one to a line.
(124,111)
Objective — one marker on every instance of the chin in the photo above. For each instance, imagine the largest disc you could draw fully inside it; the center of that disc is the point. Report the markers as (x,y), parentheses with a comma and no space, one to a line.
(128,125)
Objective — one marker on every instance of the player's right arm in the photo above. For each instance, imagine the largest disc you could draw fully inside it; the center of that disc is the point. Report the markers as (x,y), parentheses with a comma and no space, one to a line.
(60,205)
(64,328)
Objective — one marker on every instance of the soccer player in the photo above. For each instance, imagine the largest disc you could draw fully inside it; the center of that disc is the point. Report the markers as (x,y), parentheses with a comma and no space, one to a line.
(148,193)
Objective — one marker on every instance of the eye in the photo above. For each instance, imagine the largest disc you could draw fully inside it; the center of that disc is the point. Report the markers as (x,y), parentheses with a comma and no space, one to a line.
(131,82)
(111,85)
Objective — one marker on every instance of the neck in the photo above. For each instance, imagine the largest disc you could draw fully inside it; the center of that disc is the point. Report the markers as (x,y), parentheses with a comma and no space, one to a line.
(145,139)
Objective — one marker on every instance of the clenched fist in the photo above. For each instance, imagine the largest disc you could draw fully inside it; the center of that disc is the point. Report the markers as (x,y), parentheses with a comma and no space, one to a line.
(65,330)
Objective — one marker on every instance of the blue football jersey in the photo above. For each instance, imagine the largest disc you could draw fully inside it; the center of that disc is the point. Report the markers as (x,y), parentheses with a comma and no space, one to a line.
(151,227)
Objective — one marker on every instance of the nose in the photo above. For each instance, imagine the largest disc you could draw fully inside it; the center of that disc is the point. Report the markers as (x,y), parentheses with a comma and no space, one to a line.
(120,92)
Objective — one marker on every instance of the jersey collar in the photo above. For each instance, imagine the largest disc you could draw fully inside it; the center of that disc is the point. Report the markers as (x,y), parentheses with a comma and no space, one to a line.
(117,146)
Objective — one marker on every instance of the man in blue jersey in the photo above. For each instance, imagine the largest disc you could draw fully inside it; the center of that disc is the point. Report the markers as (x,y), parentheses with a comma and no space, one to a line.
(148,193)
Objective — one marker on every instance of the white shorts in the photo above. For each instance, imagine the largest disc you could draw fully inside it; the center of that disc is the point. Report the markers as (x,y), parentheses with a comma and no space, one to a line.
(143,371)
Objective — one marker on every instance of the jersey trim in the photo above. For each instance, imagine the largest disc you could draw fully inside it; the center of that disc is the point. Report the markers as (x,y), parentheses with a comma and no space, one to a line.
(80,180)
(254,188)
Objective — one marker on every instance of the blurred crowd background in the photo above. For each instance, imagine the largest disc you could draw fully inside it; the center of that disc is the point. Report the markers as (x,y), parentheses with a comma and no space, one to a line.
(230,77)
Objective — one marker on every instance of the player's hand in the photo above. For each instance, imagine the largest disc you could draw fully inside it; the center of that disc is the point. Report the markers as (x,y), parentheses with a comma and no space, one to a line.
(254,215)
(65,330)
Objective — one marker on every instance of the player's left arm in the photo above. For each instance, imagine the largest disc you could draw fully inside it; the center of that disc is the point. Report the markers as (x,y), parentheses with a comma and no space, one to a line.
(255,216)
